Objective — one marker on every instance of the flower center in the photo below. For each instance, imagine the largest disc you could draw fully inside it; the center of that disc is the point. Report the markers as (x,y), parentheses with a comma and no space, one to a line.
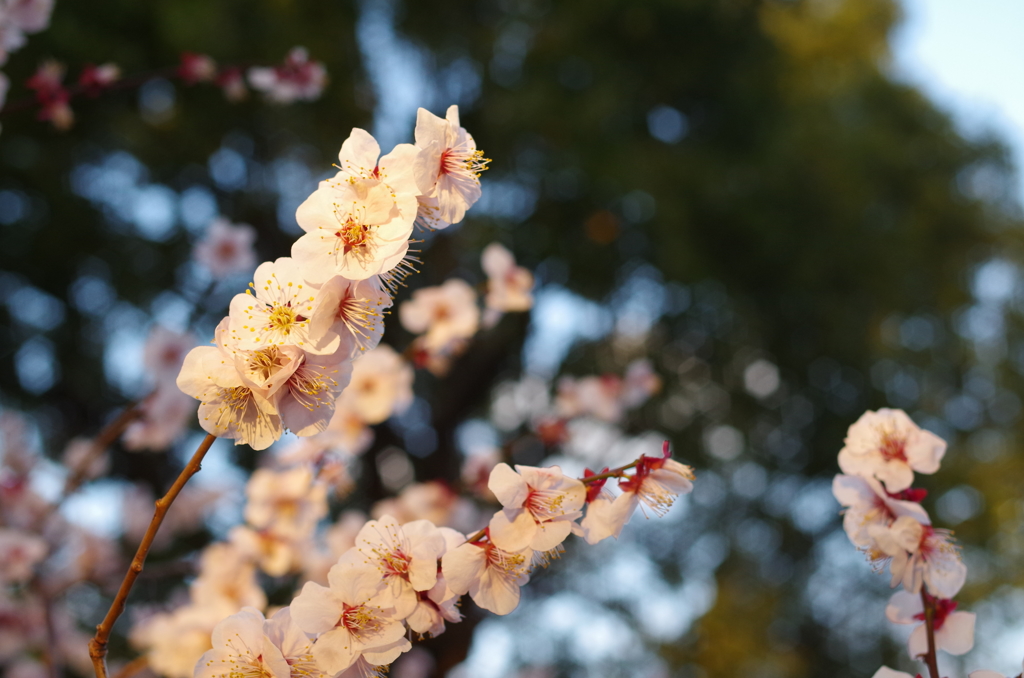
(510,564)
(893,447)
(266,361)
(352,234)
(463,160)
(359,620)
(282,317)
(544,504)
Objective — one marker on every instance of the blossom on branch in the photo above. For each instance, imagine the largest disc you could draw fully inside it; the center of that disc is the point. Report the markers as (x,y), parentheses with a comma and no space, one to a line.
(451,159)
(954,631)
(226,248)
(889,446)
(297,79)
(540,506)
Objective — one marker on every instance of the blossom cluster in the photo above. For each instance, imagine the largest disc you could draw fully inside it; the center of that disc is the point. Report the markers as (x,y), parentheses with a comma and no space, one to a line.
(18,19)
(396,577)
(883,517)
(284,355)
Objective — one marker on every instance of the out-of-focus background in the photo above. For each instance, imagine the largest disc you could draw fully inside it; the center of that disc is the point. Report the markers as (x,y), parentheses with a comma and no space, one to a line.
(797,209)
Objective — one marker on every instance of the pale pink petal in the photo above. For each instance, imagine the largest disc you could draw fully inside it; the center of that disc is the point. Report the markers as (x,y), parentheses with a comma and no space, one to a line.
(463,566)
(508,486)
(902,607)
(316,609)
(335,650)
(495,593)
(917,644)
(957,633)
(925,451)
(512,529)
(548,535)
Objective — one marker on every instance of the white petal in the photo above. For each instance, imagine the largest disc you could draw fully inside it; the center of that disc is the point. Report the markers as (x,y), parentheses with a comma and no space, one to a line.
(463,566)
(316,609)
(508,486)
(957,633)
(512,529)
(902,607)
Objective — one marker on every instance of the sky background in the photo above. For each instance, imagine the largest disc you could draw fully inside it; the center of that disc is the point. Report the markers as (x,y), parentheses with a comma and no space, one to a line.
(969,57)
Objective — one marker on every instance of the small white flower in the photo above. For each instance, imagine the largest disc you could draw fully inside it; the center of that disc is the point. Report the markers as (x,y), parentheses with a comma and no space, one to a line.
(226,248)
(867,504)
(452,164)
(509,287)
(491,575)
(444,314)
(540,506)
(920,555)
(954,631)
(889,446)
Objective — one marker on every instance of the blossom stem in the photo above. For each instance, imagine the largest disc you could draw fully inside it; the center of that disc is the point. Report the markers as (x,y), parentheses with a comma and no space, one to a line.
(98,644)
(929,623)
(614,473)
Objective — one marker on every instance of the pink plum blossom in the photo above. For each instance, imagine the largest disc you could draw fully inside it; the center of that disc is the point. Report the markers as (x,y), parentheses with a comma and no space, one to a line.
(509,287)
(954,631)
(868,504)
(226,248)
(278,309)
(352,619)
(288,501)
(241,647)
(355,307)
(605,517)
(490,575)
(889,446)
(656,483)
(405,555)
(921,555)
(381,385)
(451,159)
(445,313)
(540,506)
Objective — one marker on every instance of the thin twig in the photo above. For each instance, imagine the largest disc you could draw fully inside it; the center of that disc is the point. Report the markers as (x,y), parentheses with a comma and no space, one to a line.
(929,623)
(98,645)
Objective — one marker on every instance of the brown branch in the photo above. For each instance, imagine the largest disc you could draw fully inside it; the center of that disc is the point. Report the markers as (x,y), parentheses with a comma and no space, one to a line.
(614,473)
(98,645)
(929,622)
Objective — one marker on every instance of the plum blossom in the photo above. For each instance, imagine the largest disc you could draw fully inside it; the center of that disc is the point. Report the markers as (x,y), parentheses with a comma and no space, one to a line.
(490,575)
(18,18)
(242,648)
(440,603)
(450,157)
(94,79)
(278,308)
(175,641)
(657,482)
(868,504)
(228,407)
(405,555)
(352,619)
(540,506)
(311,392)
(954,631)
(605,516)
(509,287)
(381,385)
(594,396)
(20,552)
(289,501)
(446,313)
(889,446)
(226,248)
(920,555)
(354,228)
(355,306)
(165,351)
(297,79)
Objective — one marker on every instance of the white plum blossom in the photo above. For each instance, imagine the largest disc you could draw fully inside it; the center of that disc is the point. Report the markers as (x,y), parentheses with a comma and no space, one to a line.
(889,446)
(540,506)
(174,642)
(164,352)
(434,608)
(921,555)
(242,648)
(357,306)
(490,575)
(509,287)
(656,483)
(227,576)
(288,501)
(868,504)
(405,555)
(381,385)
(445,313)
(605,516)
(278,309)
(226,248)
(954,631)
(451,160)
(311,392)
(228,407)
(351,618)
(597,396)
(275,553)
(358,222)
